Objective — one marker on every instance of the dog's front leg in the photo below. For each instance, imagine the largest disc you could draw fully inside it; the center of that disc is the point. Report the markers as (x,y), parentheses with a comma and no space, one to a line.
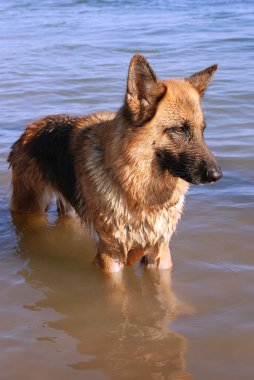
(109,258)
(158,256)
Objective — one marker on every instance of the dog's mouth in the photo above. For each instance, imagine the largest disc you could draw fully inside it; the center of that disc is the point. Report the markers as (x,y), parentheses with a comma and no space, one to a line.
(208,175)
(205,177)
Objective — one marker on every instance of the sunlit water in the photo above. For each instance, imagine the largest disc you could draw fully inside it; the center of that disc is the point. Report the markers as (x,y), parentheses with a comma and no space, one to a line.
(60,318)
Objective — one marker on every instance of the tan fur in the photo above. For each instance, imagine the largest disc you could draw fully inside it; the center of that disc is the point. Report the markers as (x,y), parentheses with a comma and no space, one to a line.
(121,193)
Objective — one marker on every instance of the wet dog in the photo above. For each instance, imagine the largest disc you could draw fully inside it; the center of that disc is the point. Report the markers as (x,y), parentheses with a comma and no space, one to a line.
(125,174)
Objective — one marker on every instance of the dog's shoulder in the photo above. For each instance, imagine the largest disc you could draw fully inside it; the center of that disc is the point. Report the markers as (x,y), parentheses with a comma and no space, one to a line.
(94,119)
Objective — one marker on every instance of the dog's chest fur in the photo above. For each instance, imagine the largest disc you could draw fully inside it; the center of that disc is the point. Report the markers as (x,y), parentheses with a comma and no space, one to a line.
(144,229)
(132,229)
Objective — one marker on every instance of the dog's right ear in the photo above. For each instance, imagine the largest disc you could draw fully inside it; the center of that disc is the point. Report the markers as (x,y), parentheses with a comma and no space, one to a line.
(144,91)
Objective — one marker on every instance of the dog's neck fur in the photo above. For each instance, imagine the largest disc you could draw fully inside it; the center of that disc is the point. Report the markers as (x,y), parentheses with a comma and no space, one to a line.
(153,190)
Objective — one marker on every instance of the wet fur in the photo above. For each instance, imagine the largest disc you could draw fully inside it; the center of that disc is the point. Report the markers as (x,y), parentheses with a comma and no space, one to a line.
(112,169)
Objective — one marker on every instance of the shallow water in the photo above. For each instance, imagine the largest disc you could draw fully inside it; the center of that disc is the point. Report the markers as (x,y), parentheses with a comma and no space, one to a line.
(60,317)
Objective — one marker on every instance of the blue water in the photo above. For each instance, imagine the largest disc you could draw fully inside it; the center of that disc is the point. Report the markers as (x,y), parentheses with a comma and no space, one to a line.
(72,56)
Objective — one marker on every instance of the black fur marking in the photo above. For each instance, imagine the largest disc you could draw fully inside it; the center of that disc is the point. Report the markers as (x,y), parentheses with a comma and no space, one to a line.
(188,167)
(180,165)
(50,148)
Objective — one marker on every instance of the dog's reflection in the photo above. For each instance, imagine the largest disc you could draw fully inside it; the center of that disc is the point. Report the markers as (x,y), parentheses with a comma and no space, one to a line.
(120,322)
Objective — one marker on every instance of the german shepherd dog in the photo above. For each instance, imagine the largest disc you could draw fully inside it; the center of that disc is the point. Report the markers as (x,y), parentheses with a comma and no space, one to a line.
(125,174)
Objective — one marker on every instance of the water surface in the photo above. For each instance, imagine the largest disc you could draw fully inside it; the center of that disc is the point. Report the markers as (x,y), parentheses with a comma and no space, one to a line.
(60,317)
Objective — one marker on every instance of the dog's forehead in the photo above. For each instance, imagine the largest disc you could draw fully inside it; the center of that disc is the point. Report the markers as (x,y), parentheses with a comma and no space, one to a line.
(181,101)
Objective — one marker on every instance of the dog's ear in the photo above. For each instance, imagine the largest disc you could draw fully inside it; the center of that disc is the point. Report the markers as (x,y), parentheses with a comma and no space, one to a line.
(144,91)
(202,79)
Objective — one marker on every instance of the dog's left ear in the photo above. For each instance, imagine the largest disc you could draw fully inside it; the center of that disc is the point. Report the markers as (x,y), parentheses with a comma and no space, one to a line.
(144,91)
(202,79)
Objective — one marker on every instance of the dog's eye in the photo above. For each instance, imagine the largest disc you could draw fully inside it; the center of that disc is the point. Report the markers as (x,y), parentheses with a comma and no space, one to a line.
(178,129)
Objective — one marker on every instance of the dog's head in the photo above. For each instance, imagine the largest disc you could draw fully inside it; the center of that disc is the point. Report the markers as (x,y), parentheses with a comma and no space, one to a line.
(168,114)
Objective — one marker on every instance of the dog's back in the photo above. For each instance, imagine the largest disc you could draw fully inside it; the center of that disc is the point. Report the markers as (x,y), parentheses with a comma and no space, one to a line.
(42,161)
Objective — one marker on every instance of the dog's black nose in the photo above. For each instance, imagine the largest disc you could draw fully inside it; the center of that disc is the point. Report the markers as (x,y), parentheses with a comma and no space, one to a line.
(213,174)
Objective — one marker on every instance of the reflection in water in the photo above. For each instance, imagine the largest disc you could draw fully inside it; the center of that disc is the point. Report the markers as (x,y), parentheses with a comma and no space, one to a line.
(120,323)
